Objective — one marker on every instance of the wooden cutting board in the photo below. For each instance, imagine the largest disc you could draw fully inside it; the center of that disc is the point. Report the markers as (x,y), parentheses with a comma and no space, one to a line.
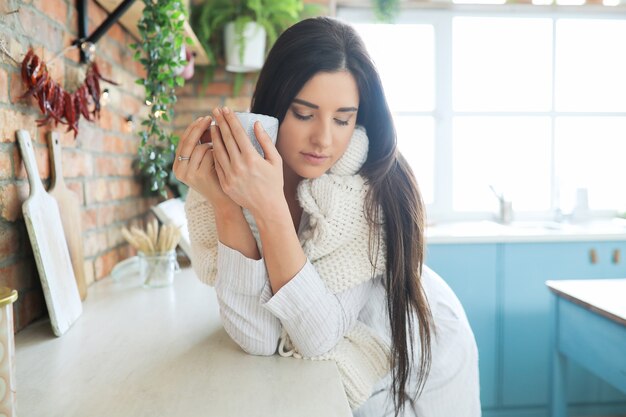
(43,222)
(69,207)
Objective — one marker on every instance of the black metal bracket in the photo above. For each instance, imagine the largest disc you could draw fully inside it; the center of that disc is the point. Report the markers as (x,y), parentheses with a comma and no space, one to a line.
(83,39)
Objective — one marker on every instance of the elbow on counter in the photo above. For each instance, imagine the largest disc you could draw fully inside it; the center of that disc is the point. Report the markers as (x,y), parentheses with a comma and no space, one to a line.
(256,347)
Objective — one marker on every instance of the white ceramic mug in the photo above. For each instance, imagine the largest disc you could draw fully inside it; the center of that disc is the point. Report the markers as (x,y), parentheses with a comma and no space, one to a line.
(269,123)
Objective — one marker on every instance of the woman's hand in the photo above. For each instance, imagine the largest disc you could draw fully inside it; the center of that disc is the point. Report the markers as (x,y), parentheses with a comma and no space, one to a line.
(245,176)
(194,165)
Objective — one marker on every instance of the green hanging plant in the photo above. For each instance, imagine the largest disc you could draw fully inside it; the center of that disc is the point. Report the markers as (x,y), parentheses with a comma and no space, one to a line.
(162,32)
(386,10)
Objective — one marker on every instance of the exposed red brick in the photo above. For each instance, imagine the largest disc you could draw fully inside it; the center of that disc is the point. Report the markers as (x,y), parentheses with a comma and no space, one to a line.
(90,138)
(219,89)
(125,166)
(106,215)
(77,187)
(56,10)
(94,243)
(11,121)
(10,203)
(106,120)
(36,27)
(114,236)
(118,33)
(89,219)
(10,241)
(97,191)
(6,167)
(105,166)
(105,263)
(4,86)
(114,144)
(238,103)
(198,104)
(73,54)
(97,14)
(182,120)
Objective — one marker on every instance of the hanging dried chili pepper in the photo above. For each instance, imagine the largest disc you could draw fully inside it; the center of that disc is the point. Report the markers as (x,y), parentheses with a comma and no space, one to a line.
(54,102)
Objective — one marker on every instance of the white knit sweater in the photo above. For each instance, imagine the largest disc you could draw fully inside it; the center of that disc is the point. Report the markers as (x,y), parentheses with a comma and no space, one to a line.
(337,242)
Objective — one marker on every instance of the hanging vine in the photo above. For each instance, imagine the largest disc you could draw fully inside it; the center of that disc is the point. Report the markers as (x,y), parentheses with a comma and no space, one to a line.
(161,28)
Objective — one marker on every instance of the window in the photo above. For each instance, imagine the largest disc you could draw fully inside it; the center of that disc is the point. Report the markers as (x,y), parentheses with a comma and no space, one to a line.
(530,103)
(413,103)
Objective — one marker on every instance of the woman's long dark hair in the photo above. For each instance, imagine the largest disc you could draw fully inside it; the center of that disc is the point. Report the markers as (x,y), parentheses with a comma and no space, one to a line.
(326,45)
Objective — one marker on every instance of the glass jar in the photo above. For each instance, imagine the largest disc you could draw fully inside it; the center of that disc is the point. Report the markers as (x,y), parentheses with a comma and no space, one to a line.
(157,270)
(7,353)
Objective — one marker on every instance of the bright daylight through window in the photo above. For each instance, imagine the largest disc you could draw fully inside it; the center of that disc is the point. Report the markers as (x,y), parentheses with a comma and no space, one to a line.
(532,104)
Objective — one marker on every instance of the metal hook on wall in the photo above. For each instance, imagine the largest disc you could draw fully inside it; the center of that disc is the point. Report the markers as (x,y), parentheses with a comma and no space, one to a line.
(87,43)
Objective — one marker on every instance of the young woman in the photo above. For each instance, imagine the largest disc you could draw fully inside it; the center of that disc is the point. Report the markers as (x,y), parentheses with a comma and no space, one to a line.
(316,250)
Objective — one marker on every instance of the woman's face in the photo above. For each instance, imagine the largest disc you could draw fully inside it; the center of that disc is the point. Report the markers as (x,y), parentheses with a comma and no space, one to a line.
(318,125)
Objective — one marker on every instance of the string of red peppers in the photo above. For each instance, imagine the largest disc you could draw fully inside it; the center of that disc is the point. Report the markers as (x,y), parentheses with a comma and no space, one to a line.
(55,103)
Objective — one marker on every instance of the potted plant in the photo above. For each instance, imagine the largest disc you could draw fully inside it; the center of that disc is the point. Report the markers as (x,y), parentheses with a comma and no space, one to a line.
(238,33)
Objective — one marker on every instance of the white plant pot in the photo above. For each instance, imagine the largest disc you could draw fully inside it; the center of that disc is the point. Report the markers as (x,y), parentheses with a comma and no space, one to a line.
(254,48)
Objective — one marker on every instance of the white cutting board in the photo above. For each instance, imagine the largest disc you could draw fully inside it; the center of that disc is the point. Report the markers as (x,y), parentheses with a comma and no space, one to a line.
(45,230)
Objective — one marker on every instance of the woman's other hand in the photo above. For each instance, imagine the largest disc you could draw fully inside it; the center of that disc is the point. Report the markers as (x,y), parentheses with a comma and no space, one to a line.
(194,164)
(250,180)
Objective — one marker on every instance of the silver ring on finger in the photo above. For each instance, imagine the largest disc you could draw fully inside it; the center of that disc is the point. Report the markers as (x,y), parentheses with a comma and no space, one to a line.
(184,158)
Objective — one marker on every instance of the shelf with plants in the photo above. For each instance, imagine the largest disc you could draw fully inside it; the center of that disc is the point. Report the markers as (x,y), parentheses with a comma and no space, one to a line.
(237,34)
(130,18)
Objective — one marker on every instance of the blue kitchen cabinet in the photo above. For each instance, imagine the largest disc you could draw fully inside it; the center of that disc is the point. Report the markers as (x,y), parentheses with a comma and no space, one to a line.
(526,322)
(502,288)
(470,270)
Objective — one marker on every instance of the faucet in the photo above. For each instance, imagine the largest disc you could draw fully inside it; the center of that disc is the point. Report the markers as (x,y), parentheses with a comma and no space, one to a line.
(506,207)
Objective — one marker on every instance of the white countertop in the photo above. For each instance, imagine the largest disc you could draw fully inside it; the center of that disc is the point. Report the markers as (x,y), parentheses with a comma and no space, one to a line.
(531,231)
(162,352)
(604,296)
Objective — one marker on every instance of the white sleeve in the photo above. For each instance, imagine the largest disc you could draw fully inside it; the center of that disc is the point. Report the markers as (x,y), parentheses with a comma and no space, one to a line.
(316,319)
(240,286)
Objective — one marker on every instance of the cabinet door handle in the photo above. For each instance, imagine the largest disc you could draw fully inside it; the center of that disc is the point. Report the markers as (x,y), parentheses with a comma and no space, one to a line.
(617,255)
(593,256)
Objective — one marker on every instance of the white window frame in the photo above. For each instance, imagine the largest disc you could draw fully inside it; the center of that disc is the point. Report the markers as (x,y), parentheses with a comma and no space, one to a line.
(441,16)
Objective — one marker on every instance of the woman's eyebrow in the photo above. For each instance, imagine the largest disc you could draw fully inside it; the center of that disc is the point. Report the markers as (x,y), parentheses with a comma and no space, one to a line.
(315,106)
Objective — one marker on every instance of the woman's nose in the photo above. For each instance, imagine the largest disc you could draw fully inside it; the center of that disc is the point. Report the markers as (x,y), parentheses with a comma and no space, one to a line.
(322,135)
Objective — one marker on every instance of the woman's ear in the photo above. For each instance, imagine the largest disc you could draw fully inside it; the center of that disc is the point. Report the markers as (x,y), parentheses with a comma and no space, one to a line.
(354,157)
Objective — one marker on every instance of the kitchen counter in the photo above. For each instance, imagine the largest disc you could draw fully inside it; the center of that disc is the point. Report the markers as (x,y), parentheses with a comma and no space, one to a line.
(162,352)
(526,231)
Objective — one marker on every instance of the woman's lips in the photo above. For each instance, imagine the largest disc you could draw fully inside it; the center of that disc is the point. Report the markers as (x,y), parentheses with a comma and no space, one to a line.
(314,158)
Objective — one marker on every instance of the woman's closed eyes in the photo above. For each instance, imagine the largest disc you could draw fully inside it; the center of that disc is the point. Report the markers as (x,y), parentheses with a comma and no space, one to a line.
(306,117)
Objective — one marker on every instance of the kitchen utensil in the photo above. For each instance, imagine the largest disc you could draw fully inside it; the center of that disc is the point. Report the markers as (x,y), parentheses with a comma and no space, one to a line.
(69,207)
(43,222)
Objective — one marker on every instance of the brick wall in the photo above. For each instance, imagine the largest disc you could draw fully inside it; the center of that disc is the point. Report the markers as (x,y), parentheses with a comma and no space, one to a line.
(197,98)
(97,164)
